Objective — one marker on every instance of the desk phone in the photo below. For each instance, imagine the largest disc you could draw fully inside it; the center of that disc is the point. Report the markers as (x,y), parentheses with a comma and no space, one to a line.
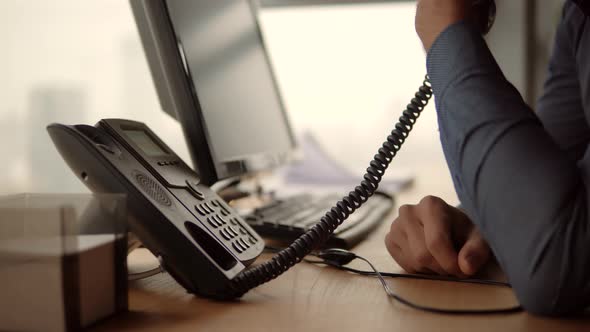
(198,238)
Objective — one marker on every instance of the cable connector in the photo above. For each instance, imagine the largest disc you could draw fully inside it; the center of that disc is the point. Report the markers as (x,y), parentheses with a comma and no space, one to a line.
(337,256)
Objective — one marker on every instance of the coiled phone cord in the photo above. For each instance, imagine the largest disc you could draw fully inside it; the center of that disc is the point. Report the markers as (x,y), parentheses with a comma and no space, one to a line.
(319,233)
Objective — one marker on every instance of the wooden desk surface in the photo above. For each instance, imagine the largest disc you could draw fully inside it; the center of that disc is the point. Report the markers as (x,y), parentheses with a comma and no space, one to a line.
(313,298)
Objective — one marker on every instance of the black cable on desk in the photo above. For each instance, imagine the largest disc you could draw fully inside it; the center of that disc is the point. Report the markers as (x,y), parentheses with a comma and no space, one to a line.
(338,258)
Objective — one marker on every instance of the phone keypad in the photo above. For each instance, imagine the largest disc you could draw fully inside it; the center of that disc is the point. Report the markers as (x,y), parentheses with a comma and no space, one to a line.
(227,226)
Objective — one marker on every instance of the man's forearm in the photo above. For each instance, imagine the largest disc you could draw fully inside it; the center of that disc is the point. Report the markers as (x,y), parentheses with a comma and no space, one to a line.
(524,193)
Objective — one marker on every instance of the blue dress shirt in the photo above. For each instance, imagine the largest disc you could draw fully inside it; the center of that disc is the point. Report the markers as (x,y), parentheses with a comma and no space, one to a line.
(522,177)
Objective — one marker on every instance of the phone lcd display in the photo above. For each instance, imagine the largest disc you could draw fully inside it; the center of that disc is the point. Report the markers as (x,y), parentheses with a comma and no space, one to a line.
(145,143)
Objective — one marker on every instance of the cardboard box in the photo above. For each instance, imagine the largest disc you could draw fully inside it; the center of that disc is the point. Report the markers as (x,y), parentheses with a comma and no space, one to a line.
(62,261)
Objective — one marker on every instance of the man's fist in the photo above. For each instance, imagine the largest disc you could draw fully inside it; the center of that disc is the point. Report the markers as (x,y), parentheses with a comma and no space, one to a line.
(434,16)
(434,237)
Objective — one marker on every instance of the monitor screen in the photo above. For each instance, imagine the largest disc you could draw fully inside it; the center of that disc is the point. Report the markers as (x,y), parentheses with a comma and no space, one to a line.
(238,124)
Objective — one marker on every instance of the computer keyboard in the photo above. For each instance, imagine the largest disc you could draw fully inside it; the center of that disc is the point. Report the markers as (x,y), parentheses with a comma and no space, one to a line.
(286,219)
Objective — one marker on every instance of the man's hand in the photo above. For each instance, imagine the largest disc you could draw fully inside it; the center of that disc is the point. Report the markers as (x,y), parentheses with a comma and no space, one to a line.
(434,16)
(425,238)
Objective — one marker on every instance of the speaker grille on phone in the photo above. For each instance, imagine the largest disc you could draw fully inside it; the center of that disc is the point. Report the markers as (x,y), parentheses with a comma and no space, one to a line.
(153,189)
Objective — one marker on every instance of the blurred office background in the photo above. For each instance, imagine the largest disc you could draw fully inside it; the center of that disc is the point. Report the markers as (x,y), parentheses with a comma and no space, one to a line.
(345,72)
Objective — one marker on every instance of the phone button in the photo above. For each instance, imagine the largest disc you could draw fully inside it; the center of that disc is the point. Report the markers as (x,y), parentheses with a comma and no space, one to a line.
(220,218)
(232,231)
(211,222)
(225,234)
(217,221)
(192,188)
(200,210)
(224,211)
(211,210)
(238,248)
(244,243)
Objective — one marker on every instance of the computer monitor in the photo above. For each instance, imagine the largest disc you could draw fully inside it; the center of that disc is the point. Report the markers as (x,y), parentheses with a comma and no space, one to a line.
(212,73)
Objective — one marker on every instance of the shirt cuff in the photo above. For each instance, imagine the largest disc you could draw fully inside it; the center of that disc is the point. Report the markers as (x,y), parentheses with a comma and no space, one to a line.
(459,50)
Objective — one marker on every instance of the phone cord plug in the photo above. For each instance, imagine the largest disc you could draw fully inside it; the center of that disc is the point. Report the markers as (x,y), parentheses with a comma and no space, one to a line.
(320,232)
(336,256)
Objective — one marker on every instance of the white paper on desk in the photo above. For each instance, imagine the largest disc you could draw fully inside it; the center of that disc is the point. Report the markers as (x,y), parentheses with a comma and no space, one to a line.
(317,168)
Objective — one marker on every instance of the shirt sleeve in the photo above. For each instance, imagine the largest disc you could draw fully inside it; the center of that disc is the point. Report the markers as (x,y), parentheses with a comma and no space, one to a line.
(524,192)
(560,106)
